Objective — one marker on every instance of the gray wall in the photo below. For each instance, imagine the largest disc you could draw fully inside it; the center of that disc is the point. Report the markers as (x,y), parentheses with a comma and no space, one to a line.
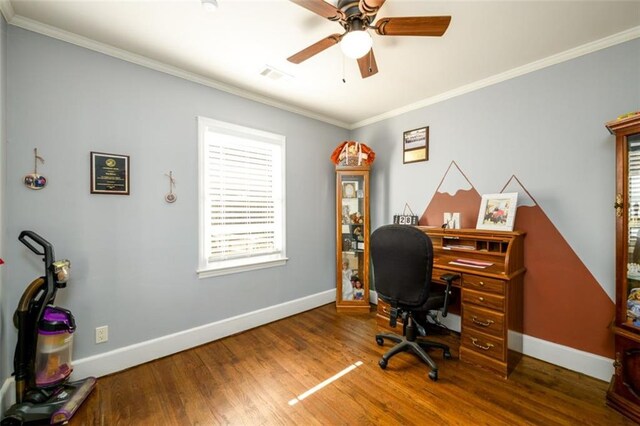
(545,127)
(5,351)
(134,258)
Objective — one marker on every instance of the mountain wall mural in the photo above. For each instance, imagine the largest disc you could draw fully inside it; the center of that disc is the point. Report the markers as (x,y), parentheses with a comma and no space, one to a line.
(454,194)
(563,302)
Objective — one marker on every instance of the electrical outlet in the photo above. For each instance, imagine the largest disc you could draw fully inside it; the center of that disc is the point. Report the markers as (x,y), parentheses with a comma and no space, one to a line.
(102,334)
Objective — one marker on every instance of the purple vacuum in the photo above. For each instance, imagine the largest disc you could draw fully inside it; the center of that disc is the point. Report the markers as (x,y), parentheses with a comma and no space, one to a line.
(42,361)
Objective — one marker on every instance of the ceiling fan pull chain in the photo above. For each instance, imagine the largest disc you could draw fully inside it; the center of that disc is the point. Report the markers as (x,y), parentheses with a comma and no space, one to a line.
(344,80)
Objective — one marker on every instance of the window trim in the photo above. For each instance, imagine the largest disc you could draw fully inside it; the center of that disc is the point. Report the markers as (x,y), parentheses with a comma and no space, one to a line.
(231,266)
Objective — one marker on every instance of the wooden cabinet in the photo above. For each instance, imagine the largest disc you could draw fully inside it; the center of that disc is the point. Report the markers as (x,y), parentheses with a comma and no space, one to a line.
(491,292)
(624,390)
(352,238)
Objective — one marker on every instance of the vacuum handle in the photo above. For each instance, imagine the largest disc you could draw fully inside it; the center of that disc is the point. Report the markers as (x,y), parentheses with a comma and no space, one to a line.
(47,248)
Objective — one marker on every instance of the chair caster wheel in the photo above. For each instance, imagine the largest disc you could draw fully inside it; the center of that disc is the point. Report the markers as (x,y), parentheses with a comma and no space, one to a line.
(379,341)
(446,355)
(433,375)
(382,363)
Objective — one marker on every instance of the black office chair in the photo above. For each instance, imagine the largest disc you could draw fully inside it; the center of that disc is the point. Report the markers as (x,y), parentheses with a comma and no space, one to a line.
(402,259)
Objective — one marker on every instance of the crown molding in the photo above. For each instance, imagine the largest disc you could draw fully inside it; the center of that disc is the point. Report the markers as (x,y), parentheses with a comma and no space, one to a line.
(19,21)
(57,33)
(6,8)
(567,55)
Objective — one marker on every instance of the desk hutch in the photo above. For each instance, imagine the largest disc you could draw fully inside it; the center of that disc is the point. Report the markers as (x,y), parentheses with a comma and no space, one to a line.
(491,296)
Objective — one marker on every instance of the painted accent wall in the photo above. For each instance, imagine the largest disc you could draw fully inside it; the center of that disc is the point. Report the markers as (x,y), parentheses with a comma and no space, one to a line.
(546,128)
(554,273)
(134,258)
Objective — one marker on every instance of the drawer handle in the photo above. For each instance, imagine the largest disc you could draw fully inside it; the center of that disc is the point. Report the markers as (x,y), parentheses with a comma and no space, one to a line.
(481,283)
(484,324)
(484,348)
(481,299)
(385,310)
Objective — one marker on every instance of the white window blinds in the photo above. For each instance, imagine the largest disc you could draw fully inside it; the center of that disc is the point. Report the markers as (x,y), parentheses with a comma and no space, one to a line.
(242,196)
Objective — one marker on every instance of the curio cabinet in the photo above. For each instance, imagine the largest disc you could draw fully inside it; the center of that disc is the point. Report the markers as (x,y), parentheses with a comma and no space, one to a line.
(352,238)
(624,390)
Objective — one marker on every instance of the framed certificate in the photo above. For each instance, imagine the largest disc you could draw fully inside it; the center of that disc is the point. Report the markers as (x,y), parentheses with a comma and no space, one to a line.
(416,145)
(109,173)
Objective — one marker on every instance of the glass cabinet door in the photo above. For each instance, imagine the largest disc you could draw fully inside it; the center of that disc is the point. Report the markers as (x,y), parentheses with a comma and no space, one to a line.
(352,204)
(632,291)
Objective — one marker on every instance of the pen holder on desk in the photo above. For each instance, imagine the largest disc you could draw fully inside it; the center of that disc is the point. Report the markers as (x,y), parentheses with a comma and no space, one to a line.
(404,218)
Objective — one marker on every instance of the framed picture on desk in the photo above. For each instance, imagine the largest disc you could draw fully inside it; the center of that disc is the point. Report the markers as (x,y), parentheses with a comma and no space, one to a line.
(497,211)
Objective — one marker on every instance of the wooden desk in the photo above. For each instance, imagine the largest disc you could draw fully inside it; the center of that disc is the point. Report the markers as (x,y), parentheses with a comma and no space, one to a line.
(491,297)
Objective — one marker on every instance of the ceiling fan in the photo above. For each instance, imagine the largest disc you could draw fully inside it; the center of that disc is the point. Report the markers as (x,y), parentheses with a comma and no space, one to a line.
(356,17)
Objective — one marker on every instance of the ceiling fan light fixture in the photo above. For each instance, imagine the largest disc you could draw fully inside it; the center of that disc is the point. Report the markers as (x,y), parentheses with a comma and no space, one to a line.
(356,44)
(210,5)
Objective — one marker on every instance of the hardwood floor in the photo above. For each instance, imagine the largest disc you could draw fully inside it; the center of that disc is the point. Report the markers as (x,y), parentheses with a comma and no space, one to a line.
(250,378)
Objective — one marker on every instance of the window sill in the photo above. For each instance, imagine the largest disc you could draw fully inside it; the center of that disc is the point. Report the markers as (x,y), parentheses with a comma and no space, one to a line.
(208,272)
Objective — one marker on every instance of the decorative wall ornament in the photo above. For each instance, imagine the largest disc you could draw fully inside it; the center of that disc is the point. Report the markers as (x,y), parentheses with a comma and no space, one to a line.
(34,180)
(171,197)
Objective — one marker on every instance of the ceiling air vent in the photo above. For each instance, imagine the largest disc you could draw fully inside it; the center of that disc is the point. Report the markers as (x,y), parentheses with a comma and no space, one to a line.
(275,74)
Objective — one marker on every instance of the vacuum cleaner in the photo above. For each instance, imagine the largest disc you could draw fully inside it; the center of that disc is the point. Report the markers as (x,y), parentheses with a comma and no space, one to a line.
(42,361)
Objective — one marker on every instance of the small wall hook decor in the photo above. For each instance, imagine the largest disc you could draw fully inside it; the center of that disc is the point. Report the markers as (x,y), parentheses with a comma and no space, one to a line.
(34,180)
(171,197)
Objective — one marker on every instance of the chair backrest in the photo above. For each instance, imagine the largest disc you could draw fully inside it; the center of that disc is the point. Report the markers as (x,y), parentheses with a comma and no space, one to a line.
(402,258)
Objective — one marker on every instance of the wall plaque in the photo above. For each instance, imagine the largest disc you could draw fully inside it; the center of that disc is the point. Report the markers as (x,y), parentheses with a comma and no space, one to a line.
(109,173)
(416,145)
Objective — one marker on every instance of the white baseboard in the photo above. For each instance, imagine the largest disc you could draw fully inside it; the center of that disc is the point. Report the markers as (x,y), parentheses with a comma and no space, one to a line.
(7,394)
(139,353)
(572,359)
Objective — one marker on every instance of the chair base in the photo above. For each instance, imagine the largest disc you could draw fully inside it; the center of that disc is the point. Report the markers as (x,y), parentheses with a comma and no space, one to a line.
(417,346)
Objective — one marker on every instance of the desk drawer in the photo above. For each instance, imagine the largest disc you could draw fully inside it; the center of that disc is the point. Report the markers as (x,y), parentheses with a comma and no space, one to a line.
(490,285)
(484,320)
(483,344)
(487,300)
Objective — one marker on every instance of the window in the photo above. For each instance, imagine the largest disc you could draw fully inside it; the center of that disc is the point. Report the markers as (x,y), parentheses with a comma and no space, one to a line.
(242,198)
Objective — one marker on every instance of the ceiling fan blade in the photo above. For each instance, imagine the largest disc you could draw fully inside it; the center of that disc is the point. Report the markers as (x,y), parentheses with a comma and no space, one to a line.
(433,26)
(322,8)
(315,48)
(367,65)
(370,7)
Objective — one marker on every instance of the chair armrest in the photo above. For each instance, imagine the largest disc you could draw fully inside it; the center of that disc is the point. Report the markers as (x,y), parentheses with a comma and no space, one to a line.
(449,279)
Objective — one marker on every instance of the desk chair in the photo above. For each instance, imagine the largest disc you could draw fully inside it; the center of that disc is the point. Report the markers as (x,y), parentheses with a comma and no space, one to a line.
(402,259)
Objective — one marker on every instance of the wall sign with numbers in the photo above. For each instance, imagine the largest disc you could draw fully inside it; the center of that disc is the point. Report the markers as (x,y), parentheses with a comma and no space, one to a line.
(406,218)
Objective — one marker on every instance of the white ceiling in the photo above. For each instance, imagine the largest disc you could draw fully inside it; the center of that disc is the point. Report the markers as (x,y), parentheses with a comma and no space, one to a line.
(486,41)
